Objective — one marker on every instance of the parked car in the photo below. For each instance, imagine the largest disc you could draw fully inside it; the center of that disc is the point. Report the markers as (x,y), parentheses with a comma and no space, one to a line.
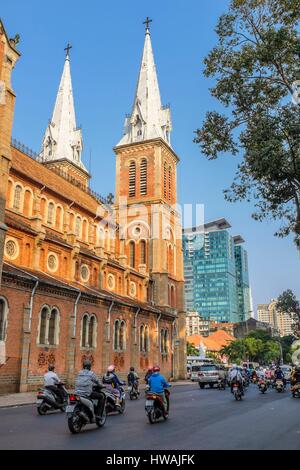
(210,374)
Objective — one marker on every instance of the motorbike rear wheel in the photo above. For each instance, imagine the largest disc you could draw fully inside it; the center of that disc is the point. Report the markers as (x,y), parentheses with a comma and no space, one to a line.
(75,423)
(42,409)
(152,416)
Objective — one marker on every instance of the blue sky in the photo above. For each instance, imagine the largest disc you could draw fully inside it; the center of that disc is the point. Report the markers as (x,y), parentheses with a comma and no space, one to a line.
(107,39)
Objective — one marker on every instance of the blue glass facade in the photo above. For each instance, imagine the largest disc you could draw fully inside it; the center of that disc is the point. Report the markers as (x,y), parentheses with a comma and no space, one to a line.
(216,276)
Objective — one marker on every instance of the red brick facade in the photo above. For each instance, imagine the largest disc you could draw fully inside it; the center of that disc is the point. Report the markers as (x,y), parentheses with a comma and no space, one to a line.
(70,290)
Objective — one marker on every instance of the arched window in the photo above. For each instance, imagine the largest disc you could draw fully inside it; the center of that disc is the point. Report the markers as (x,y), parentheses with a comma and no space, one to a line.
(27,203)
(43,325)
(116,335)
(53,320)
(92,332)
(132,179)
(164,340)
(132,254)
(122,338)
(58,218)
(78,227)
(142,337)
(3,318)
(50,214)
(165,181)
(95,277)
(170,183)
(143,177)
(143,252)
(49,326)
(85,230)
(146,339)
(85,331)
(17,197)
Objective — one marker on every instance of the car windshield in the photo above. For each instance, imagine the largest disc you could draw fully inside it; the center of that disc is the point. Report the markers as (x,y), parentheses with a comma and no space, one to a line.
(208,367)
(195,368)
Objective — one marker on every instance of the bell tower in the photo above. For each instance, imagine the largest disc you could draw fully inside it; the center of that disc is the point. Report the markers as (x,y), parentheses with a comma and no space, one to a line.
(8,58)
(146,189)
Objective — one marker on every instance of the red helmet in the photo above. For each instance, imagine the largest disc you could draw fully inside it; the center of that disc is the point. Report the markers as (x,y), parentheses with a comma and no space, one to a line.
(150,368)
(156,369)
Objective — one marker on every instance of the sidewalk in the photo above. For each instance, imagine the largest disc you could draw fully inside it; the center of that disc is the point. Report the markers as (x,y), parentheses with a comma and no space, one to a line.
(29,398)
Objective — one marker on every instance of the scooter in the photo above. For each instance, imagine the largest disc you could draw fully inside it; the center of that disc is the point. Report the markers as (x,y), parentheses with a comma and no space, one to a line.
(155,407)
(279,385)
(222,384)
(262,386)
(237,392)
(295,389)
(111,405)
(47,400)
(81,411)
(133,391)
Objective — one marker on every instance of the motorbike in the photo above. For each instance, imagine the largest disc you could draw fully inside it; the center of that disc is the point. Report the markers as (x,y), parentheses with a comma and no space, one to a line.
(154,406)
(295,389)
(133,391)
(47,400)
(81,411)
(279,385)
(221,384)
(111,400)
(237,392)
(262,386)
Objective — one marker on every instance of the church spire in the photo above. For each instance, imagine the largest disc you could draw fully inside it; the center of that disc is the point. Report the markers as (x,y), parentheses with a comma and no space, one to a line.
(62,139)
(148,119)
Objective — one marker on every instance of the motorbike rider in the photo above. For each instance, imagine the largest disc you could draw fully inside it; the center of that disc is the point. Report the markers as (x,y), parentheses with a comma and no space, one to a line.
(279,375)
(133,379)
(148,374)
(51,382)
(157,384)
(86,381)
(113,380)
(260,373)
(235,377)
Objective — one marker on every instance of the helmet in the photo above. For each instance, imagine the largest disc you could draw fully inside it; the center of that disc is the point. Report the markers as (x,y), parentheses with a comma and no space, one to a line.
(132,369)
(51,367)
(111,368)
(150,369)
(156,369)
(234,366)
(87,364)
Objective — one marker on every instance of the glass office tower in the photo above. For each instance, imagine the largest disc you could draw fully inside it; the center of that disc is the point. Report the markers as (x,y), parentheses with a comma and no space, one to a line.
(216,273)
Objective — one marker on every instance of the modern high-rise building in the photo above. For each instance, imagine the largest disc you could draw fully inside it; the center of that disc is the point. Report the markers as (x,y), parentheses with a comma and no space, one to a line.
(216,273)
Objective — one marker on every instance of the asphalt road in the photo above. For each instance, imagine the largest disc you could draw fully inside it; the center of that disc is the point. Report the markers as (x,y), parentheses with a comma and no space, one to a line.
(199,419)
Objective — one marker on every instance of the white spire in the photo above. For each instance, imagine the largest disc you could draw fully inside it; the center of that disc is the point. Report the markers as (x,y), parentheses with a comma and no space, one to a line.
(62,140)
(148,119)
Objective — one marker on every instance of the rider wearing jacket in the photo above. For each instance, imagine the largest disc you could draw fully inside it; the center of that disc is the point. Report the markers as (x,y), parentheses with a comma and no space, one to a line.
(295,375)
(51,381)
(113,380)
(133,378)
(235,377)
(85,383)
(279,375)
(158,384)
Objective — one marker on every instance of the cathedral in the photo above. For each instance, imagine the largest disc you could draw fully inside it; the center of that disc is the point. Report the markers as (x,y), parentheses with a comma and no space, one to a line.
(81,276)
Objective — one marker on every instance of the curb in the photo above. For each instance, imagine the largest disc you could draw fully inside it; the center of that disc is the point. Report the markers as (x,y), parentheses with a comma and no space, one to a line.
(16,405)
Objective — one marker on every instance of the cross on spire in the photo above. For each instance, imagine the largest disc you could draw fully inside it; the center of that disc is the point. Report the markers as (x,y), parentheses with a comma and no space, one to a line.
(67,49)
(147,22)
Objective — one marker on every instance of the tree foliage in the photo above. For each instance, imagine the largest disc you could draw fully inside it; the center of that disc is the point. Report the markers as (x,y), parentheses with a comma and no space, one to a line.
(256,64)
(255,347)
(287,303)
(191,350)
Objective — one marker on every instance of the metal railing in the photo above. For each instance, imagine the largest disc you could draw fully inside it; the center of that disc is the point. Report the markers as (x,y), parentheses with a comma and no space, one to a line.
(59,171)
